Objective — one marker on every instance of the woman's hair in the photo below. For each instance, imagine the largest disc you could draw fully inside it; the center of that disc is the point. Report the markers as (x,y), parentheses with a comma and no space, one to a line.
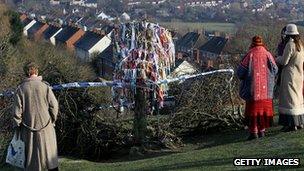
(283,35)
(30,68)
(257,41)
(297,41)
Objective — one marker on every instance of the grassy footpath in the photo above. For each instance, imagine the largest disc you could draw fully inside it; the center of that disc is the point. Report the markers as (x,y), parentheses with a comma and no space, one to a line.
(213,152)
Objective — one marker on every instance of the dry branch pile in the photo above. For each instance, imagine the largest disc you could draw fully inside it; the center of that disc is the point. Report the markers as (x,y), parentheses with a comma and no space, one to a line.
(207,103)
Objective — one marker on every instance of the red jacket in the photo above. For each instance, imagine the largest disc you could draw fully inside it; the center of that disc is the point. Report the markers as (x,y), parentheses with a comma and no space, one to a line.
(257,72)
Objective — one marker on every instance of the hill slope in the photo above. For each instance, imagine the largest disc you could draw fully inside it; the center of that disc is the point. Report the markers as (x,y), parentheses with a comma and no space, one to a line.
(213,152)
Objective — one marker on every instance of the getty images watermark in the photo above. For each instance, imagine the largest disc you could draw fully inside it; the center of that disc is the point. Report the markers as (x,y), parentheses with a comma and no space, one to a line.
(266,162)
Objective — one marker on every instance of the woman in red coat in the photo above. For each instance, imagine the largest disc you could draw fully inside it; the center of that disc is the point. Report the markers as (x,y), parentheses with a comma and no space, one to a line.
(257,73)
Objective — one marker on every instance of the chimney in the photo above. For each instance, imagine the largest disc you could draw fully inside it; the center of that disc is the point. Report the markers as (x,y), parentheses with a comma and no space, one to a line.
(210,63)
(55,24)
(179,55)
(100,32)
(202,31)
(217,34)
(227,36)
(197,55)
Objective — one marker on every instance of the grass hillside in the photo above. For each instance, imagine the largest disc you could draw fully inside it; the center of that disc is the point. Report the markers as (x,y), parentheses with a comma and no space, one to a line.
(211,152)
(214,152)
(189,26)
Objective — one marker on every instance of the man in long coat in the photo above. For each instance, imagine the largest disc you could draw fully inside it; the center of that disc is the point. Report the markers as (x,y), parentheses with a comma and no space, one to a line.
(35,111)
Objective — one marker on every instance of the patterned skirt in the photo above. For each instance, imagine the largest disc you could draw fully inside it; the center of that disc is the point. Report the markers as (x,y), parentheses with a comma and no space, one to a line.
(259,113)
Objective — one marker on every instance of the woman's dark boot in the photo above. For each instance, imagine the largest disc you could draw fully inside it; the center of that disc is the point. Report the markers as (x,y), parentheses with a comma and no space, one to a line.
(261,134)
(290,129)
(284,128)
(252,136)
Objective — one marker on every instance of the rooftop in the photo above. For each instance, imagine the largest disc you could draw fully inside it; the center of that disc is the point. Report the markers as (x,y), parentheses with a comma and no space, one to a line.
(88,40)
(107,53)
(188,40)
(26,21)
(50,31)
(215,45)
(35,27)
(66,33)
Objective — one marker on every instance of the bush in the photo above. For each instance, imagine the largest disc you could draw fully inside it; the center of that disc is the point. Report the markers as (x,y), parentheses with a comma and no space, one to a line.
(16,27)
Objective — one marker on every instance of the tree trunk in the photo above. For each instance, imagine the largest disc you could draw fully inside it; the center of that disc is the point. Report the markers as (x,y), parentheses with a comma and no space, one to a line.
(140,117)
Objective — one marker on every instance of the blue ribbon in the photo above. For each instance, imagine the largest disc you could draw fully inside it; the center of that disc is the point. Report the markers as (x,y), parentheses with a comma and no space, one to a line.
(118,84)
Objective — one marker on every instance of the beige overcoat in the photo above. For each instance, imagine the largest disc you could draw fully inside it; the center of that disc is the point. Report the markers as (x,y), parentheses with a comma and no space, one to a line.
(291,87)
(35,107)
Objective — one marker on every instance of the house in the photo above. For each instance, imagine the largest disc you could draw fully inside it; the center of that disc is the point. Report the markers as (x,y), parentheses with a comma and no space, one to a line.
(106,62)
(85,3)
(68,36)
(35,32)
(70,19)
(27,24)
(91,3)
(202,3)
(99,24)
(185,45)
(131,2)
(86,23)
(54,2)
(78,2)
(65,3)
(125,17)
(212,51)
(139,2)
(91,43)
(104,16)
(50,33)
(25,21)
(107,28)
(183,67)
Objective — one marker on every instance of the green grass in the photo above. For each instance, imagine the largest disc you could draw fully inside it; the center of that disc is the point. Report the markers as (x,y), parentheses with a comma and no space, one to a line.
(221,27)
(211,152)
